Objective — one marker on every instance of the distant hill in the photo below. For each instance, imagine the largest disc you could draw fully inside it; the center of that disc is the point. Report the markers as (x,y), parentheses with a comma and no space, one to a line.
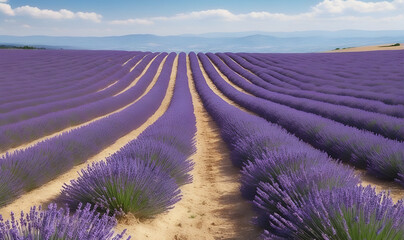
(19,47)
(306,41)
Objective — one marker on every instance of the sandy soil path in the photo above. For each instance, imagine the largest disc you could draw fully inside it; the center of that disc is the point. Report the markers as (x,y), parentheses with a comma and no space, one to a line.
(123,64)
(212,207)
(396,191)
(26,145)
(110,85)
(49,191)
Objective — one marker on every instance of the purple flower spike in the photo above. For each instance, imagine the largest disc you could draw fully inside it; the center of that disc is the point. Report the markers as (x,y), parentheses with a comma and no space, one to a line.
(54,223)
(123,186)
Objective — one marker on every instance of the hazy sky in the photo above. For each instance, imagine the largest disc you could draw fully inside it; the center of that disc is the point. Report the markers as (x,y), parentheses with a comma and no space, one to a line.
(166,17)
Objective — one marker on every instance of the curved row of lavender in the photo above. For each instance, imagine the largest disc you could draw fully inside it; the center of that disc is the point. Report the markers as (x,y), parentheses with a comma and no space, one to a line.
(27,169)
(101,77)
(293,78)
(56,64)
(13,135)
(120,80)
(78,65)
(387,126)
(266,81)
(144,176)
(382,157)
(53,223)
(64,79)
(298,192)
(344,71)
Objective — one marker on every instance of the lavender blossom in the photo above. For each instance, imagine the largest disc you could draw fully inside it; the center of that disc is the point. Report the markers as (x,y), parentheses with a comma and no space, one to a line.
(123,186)
(54,223)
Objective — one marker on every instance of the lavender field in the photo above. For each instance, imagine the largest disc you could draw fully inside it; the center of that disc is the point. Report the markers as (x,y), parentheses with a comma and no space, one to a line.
(119,144)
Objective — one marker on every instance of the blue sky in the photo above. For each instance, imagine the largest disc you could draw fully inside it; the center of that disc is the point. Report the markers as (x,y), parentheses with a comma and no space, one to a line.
(164,17)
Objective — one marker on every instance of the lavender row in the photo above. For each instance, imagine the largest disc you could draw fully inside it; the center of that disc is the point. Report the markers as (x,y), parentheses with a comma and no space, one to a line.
(383,158)
(27,169)
(143,177)
(54,223)
(94,82)
(281,174)
(13,135)
(26,74)
(368,105)
(53,81)
(62,83)
(124,77)
(382,68)
(387,126)
(386,98)
(361,80)
(323,78)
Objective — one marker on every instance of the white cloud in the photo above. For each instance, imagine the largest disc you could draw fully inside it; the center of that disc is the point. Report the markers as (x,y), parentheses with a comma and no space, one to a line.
(342,6)
(44,13)
(6,9)
(91,16)
(48,14)
(326,15)
(132,21)
(220,13)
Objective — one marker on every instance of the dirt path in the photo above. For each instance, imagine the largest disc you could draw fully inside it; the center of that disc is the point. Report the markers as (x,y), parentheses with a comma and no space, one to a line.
(128,60)
(396,191)
(26,145)
(110,85)
(211,207)
(144,71)
(49,191)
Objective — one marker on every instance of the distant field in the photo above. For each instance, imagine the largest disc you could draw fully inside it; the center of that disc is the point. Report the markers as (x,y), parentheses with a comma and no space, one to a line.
(382,47)
(195,146)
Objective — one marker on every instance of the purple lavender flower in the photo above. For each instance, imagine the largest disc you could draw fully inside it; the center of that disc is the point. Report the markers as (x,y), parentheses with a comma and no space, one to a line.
(165,156)
(349,213)
(123,185)
(286,160)
(54,223)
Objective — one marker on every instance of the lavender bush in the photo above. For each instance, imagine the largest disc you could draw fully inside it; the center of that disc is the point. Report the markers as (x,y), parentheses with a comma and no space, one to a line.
(123,186)
(54,223)
(351,213)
